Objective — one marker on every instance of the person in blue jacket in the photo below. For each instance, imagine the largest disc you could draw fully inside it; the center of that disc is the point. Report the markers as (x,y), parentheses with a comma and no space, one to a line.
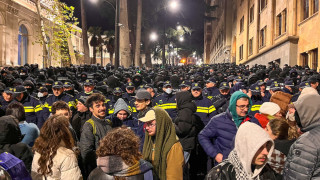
(217,136)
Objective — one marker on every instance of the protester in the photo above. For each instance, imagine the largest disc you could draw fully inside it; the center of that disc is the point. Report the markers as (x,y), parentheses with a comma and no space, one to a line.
(93,130)
(278,130)
(10,140)
(29,131)
(217,136)
(119,157)
(268,110)
(161,146)
(302,160)
(82,115)
(248,160)
(54,156)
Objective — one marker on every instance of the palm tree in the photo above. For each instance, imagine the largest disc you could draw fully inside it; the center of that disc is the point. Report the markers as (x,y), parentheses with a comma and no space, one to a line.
(84,33)
(109,42)
(96,41)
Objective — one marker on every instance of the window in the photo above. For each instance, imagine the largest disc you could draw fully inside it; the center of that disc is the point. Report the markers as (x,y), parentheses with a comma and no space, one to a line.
(241,24)
(304,59)
(315,4)
(241,52)
(314,59)
(281,23)
(22,45)
(263,4)
(251,16)
(250,46)
(305,6)
(263,33)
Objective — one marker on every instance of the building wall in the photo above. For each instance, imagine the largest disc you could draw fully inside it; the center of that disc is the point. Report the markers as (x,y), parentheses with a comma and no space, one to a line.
(297,44)
(13,14)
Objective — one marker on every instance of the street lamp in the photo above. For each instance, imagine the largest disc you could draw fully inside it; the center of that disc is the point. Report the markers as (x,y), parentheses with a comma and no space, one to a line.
(173,5)
(181,39)
(153,36)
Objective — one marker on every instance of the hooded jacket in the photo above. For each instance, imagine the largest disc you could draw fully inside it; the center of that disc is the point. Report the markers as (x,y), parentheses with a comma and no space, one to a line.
(186,122)
(10,140)
(111,166)
(302,160)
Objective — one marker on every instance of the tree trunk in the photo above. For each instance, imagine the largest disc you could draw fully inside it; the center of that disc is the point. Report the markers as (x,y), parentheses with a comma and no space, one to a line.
(94,60)
(44,38)
(101,51)
(138,35)
(125,53)
(147,51)
(73,58)
(111,59)
(85,34)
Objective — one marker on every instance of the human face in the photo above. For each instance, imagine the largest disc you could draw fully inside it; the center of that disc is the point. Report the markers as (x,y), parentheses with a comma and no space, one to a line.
(98,109)
(150,90)
(242,107)
(185,88)
(196,92)
(81,107)
(210,85)
(7,96)
(269,131)
(165,88)
(88,88)
(278,114)
(64,112)
(224,91)
(261,156)
(130,90)
(122,115)
(314,85)
(141,104)
(57,91)
(151,127)
(263,88)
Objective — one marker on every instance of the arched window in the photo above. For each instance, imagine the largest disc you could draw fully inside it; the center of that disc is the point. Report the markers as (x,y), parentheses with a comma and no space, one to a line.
(22,45)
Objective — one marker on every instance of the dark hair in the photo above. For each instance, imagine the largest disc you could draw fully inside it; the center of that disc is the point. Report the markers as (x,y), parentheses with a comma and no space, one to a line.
(95,98)
(54,131)
(16,109)
(121,142)
(59,105)
(279,128)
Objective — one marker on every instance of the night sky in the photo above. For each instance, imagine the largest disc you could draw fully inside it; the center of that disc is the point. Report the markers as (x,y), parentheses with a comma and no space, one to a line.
(101,14)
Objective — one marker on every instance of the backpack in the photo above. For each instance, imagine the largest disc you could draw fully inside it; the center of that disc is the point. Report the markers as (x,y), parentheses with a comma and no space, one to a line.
(14,167)
(223,171)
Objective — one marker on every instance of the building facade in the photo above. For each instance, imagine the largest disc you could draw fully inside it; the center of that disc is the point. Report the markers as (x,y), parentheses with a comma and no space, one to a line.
(19,29)
(278,31)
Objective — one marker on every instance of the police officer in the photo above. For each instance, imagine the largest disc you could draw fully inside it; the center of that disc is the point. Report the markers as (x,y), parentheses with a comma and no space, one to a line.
(302,85)
(185,86)
(88,88)
(42,94)
(288,87)
(166,100)
(117,93)
(128,97)
(68,88)
(60,95)
(274,87)
(211,90)
(221,101)
(264,93)
(205,108)
(6,99)
(255,95)
(32,106)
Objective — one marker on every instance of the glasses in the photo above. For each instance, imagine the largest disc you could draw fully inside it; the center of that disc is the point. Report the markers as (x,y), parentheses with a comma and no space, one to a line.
(150,125)
(130,88)
(196,89)
(243,106)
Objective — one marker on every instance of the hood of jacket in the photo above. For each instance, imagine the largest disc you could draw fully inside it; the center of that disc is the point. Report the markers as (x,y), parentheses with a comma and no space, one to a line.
(9,130)
(121,105)
(246,146)
(115,166)
(308,110)
(233,105)
(184,100)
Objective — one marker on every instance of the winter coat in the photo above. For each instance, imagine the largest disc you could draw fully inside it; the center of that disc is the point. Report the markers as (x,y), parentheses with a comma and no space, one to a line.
(279,155)
(78,121)
(217,136)
(246,146)
(186,122)
(221,103)
(110,167)
(302,160)
(10,137)
(65,166)
(210,92)
(70,100)
(89,141)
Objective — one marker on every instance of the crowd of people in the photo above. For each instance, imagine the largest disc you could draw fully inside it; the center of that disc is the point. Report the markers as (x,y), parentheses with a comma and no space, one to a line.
(219,121)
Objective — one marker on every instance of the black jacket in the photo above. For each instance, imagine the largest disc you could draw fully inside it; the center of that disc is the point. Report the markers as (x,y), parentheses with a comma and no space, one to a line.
(10,141)
(186,122)
(78,121)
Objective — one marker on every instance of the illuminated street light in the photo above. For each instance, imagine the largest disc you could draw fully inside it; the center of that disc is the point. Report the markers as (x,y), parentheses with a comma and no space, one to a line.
(179,27)
(94,1)
(181,39)
(174,5)
(153,36)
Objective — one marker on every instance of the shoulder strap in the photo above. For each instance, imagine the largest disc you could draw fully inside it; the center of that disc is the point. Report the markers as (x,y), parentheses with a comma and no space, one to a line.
(93,126)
